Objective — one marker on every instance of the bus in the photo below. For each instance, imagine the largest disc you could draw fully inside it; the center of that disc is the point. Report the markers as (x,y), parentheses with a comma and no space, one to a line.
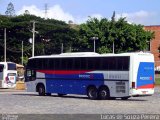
(99,76)
(8,75)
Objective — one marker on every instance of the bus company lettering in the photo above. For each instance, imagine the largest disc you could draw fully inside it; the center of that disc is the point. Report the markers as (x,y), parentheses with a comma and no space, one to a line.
(146,78)
(86,76)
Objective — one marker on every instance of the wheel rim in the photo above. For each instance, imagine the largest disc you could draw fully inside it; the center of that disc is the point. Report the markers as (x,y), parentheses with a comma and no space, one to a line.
(103,93)
(92,93)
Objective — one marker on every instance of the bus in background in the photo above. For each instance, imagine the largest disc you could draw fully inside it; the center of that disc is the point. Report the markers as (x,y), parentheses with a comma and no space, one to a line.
(99,76)
(8,75)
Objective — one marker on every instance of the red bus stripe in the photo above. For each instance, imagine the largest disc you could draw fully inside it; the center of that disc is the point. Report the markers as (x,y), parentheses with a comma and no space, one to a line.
(146,86)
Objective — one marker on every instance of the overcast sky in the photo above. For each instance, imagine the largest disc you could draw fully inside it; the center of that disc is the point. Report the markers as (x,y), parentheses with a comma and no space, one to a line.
(146,12)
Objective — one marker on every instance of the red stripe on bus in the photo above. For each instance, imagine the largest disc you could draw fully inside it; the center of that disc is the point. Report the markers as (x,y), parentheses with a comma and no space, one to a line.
(146,86)
(63,71)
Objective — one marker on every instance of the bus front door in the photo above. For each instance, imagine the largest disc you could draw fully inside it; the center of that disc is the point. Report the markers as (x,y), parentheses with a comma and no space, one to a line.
(1,75)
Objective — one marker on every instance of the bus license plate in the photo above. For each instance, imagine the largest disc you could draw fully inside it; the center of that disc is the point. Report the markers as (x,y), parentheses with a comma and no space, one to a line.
(144,92)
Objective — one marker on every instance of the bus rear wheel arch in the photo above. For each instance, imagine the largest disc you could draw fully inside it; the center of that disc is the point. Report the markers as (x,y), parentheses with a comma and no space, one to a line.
(103,93)
(92,92)
(40,89)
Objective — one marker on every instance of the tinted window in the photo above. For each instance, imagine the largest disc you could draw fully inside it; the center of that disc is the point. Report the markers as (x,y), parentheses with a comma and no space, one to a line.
(1,68)
(30,75)
(1,72)
(123,63)
(91,63)
(115,63)
(77,64)
(11,66)
(66,63)
(57,64)
(83,63)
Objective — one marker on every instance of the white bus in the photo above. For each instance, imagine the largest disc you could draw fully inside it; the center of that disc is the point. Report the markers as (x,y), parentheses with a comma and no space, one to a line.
(100,76)
(8,75)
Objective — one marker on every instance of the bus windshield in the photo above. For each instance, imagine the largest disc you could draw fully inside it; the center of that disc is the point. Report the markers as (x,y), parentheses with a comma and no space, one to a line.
(11,66)
(1,67)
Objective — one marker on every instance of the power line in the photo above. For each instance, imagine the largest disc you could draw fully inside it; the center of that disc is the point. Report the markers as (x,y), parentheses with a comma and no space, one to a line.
(46,11)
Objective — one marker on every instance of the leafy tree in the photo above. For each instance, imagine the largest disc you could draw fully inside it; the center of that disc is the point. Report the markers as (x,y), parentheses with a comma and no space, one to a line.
(126,37)
(27,12)
(51,34)
(10,10)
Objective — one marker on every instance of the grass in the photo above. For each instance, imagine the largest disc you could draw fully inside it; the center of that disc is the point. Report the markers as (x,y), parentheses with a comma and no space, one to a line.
(157,81)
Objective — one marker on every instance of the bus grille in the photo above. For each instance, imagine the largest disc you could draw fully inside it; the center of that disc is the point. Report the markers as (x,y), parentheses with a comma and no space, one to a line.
(120,87)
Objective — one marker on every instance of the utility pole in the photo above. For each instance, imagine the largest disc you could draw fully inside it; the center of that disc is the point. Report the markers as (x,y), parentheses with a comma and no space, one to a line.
(33,39)
(4,44)
(94,39)
(46,11)
(22,52)
(62,48)
(113,47)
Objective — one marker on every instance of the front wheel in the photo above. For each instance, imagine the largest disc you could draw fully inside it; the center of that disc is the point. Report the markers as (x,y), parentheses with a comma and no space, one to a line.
(48,94)
(92,93)
(41,90)
(103,93)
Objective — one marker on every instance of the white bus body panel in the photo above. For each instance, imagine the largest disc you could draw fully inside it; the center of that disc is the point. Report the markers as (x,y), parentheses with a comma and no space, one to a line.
(11,74)
(31,86)
(136,59)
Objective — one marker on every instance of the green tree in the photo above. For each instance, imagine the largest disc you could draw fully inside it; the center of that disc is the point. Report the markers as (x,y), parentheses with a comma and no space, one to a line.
(126,37)
(51,34)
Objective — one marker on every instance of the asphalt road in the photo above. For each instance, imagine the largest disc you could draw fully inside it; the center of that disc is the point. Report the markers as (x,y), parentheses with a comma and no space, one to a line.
(21,102)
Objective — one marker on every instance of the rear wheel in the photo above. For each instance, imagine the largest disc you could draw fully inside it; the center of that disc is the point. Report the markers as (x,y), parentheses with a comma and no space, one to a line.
(103,93)
(124,98)
(92,93)
(61,95)
(41,90)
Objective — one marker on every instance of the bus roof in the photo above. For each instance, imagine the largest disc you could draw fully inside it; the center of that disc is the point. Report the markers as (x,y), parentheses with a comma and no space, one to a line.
(6,62)
(90,54)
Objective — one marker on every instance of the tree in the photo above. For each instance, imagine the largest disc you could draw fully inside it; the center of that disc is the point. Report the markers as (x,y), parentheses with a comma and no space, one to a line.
(51,34)
(126,37)
(26,12)
(10,10)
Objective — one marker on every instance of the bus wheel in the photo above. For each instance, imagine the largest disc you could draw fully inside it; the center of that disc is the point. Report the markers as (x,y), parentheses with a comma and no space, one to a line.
(48,94)
(92,93)
(61,95)
(103,93)
(124,98)
(41,90)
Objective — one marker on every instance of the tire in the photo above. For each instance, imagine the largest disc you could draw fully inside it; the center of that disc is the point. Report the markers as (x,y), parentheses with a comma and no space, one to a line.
(124,98)
(103,93)
(61,95)
(92,93)
(48,94)
(112,98)
(41,90)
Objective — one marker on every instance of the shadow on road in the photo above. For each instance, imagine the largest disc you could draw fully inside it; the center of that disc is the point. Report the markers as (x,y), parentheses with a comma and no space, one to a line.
(83,97)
